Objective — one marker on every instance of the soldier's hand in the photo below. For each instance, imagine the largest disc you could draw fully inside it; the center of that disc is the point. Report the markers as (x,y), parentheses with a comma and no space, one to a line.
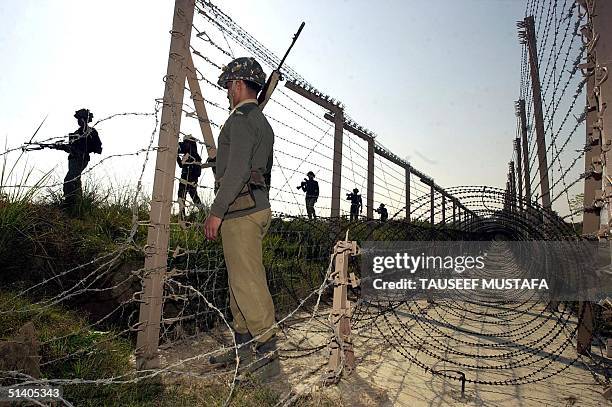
(211,227)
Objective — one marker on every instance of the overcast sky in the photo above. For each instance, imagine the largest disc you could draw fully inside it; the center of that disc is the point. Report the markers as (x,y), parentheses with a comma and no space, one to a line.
(435,80)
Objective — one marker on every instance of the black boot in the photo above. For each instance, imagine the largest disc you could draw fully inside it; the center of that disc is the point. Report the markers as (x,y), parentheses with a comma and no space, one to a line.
(229,355)
(265,363)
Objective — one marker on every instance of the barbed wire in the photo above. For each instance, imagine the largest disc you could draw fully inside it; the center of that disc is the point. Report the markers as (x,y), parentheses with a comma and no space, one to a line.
(526,342)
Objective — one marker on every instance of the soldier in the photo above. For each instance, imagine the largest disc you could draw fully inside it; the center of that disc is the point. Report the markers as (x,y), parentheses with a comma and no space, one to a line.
(191,169)
(382,211)
(241,210)
(356,204)
(311,187)
(81,143)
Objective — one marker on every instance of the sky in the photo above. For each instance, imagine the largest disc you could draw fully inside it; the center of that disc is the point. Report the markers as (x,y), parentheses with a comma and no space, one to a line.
(436,81)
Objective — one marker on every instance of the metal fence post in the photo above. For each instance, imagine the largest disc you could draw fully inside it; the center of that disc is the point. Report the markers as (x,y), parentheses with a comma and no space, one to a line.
(443,209)
(520,112)
(156,250)
(529,37)
(337,166)
(407,170)
(338,119)
(519,172)
(432,198)
(198,103)
(370,197)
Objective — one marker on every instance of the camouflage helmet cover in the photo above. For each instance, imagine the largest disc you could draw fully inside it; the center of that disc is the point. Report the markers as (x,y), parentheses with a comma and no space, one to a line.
(245,69)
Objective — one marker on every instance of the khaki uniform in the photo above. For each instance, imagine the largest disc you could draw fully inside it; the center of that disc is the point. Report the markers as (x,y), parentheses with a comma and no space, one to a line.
(245,145)
(250,300)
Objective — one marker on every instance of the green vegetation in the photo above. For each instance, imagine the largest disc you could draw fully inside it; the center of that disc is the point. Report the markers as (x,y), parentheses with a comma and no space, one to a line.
(39,241)
(71,350)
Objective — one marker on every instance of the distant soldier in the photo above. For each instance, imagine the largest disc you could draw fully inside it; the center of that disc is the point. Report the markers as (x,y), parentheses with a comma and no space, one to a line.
(191,169)
(356,204)
(311,187)
(382,211)
(81,143)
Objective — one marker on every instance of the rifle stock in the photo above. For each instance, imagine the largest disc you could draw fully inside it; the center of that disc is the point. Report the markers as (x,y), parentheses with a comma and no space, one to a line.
(266,92)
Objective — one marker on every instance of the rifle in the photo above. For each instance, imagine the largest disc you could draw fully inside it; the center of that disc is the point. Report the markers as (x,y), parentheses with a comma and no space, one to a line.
(58,145)
(303,184)
(275,76)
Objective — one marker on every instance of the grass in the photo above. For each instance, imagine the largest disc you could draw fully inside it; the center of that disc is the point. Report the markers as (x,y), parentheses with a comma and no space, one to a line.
(41,239)
(71,350)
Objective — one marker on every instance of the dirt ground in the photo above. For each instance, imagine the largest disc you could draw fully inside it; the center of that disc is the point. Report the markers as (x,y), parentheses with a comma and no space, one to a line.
(385,376)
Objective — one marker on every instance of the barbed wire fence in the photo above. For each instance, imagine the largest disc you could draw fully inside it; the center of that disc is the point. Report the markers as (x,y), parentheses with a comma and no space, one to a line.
(560,51)
(470,340)
(559,104)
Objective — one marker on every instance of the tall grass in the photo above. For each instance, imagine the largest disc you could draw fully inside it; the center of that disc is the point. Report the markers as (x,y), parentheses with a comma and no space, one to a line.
(16,209)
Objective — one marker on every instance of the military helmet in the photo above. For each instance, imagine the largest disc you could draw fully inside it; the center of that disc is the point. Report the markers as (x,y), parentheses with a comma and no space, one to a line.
(355,190)
(188,145)
(245,69)
(382,205)
(309,173)
(84,114)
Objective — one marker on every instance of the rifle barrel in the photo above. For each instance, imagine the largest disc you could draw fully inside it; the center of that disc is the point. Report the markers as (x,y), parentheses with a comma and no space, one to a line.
(275,76)
(295,37)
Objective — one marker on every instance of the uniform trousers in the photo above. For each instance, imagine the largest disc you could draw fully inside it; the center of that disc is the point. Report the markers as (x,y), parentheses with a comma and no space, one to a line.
(250,300)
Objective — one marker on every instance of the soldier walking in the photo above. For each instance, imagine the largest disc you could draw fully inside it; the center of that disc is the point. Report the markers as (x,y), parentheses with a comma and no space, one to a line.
(241,211)
(191,169)
(356,204)
(311,187)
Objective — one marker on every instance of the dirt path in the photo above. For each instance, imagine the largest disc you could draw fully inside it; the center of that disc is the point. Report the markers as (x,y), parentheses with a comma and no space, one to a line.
(531,349)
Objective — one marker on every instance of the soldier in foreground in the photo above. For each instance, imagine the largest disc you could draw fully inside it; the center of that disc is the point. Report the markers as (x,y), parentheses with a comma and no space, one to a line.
(81,143)
(382,211)
(241,211)
(356,204)
(311,187)
(191,169)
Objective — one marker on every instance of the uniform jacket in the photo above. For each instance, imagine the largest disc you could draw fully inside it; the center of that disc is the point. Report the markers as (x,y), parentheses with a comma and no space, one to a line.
(245,144)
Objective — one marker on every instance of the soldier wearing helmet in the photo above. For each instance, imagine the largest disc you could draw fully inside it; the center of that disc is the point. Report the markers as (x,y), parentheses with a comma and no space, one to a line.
(356,204)
(190,162)
(382,211)
(81,143)
(311,187)
(241,212)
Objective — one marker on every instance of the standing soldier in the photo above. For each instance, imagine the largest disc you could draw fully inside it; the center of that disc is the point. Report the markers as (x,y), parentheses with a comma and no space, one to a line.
(356,204)
(191,169)
(81,143)
(241,210)
(311,187)
(382,211)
